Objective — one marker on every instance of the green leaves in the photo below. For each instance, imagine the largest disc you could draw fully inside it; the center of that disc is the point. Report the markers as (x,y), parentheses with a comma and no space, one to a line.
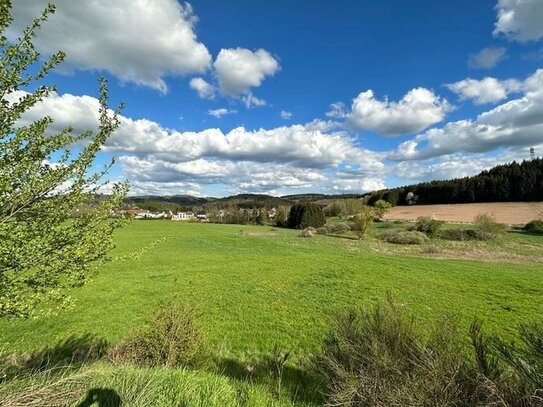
(43,249)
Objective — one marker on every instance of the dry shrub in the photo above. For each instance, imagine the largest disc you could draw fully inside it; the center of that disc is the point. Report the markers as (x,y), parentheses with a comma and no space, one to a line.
(487,228)
(403,237)
(322,230)
(170,338)
(306,233)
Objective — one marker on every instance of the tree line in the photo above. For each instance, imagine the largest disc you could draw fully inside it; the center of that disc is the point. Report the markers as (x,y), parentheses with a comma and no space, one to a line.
(503,183)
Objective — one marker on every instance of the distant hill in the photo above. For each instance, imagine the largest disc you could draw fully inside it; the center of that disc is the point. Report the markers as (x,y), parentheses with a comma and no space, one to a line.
(514,182)
(165,203)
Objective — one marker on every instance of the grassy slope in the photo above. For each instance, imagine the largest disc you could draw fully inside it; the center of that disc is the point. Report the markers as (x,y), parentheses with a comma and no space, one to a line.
(262,288)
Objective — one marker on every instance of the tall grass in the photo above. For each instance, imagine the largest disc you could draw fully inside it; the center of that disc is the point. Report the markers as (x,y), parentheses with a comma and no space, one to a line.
(381,357)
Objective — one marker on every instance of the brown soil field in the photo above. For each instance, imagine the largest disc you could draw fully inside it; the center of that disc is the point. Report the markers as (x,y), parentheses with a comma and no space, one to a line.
(511,213)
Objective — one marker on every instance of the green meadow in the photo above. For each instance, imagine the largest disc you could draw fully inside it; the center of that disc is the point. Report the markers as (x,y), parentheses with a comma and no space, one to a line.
(256,288)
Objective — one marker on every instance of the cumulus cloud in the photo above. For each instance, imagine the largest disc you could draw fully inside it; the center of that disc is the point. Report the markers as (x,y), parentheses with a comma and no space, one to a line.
(418,109)
(487,90)
(137,41)
(204,89)
(240,69)
(519,20)
(487,58)
(515,124)
(285,115)
(218,113)
(283,159)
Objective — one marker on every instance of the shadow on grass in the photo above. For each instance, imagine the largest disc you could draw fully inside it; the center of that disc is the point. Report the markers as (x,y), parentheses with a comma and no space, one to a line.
(71,352)
(100,397)
(294,382)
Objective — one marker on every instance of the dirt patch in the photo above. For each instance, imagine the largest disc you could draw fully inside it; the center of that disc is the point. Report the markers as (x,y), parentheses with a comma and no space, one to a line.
(248,233)
(510,213)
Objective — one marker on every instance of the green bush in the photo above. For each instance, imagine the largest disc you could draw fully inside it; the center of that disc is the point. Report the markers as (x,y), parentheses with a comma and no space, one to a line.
(170,338)
(428,226)
(382,357)
(487,228)
(403,237)
(535,226)
(322,230)
(306,214)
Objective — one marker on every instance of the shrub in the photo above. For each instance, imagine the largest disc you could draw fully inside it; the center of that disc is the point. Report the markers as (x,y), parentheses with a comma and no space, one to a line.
(428,226)
(363,222)
(306,214)
(382,357)
(322,230)
(535,226)
(339,229)
(306,233)
(403,237)
(487,228)
(171,338)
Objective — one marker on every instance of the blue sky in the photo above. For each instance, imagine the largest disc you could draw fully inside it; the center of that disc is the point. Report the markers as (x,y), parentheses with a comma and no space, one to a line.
(291,97)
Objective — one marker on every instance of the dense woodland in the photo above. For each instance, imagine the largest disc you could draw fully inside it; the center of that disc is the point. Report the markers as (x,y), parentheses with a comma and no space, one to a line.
(505,183)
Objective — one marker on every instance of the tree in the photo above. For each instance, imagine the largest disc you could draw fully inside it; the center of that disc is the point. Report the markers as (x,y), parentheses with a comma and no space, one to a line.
(45,176)
(306,214)
(363,221)
(381,207)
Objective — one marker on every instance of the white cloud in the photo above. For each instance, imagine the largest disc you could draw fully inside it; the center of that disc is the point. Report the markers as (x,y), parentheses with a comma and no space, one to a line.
(312,145)
(204,89)
(487,58)
(251,101)
(218,113)
(285,115)
(418,109)
(239,69)
(517,123)
(487,90)
(337,111)
(138,41)
(520,20)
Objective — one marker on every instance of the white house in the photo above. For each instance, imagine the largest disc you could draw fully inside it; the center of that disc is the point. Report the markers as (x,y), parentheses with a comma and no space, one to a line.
(183,216)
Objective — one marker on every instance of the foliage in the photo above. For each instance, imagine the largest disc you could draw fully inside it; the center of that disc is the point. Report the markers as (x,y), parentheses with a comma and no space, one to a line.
(344,207)
(171,338)
(504,183)
(363,222)
(399,236)
(381,357)
(305,214)
(42,181)
(428,225)
(338,228)
(535,226)
(487,228)
(322,230)
(381,207)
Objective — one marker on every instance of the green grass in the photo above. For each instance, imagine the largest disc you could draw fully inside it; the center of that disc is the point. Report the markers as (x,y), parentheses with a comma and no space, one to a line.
(264,287)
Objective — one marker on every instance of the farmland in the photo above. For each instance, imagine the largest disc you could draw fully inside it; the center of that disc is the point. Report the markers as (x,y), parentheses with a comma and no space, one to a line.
(257,287)
(510,213)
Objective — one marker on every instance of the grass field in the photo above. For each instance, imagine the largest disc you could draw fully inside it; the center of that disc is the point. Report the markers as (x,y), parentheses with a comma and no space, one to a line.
(256,287)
